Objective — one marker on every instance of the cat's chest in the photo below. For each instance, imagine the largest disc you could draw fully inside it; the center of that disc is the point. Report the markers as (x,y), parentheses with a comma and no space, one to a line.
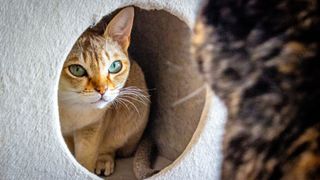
(76,118)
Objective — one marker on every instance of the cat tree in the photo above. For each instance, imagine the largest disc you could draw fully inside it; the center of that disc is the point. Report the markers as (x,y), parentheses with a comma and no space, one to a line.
(187,119)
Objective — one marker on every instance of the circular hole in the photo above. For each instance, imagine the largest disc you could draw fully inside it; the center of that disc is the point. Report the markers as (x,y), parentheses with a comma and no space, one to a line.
(160,44)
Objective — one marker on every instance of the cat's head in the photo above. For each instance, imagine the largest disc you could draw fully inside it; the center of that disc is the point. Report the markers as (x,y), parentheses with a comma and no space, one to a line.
(98,65)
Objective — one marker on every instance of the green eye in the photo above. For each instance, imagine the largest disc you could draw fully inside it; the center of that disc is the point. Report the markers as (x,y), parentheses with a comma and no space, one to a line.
(77,70)
(115,67)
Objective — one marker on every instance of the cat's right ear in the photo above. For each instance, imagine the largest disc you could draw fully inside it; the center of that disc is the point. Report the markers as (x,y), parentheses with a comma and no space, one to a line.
(119,29)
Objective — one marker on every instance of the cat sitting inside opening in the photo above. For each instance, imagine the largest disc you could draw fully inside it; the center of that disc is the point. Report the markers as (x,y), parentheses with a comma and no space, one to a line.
(102,100)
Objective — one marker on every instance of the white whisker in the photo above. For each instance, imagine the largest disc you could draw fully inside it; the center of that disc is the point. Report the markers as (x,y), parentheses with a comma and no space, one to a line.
(135,107)
(138,100)
(131,96)
(120,101)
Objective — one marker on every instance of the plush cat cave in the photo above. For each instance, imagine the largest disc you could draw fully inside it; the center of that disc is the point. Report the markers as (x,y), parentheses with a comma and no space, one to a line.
(186,118)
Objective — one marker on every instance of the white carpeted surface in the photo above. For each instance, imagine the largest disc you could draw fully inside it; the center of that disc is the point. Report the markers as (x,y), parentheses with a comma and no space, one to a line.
(36,37)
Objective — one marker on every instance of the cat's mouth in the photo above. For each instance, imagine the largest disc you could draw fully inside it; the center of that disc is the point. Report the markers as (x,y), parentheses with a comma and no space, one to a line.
(100,101)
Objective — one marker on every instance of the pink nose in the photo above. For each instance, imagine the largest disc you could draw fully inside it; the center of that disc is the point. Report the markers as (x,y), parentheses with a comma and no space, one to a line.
(101,89)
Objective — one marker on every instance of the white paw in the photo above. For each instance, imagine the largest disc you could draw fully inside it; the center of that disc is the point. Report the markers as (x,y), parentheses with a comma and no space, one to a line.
(105,166)
(109,168)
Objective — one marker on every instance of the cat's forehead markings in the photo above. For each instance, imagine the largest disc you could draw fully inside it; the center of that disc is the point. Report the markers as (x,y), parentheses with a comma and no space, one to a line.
(107,55)
(104,58)
(113,49)
(73,59)
(83,57)
(116,56)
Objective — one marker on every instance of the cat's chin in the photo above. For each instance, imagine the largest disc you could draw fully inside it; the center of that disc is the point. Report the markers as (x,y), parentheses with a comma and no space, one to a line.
(101,104)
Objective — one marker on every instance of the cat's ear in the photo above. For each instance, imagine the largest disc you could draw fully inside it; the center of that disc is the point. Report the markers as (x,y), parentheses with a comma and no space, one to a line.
(119,29)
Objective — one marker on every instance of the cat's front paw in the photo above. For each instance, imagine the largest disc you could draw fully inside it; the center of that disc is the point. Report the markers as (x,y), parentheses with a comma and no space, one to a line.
(105,165)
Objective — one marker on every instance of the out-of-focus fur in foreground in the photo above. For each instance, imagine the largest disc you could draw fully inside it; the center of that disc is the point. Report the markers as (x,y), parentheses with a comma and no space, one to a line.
(262,58)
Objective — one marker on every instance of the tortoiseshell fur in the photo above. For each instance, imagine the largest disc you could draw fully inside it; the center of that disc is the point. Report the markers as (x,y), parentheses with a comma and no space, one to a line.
(262,58)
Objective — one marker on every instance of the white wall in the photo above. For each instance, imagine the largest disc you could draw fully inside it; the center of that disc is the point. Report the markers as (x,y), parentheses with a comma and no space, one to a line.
(35,38)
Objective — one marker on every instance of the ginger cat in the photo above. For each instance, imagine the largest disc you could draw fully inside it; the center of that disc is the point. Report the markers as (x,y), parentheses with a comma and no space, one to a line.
(102,100)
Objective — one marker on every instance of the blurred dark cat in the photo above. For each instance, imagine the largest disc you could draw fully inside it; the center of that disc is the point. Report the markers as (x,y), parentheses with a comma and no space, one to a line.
(262,58)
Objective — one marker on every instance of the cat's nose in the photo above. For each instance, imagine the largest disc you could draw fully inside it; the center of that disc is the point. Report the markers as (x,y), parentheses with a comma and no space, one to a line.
(101,89)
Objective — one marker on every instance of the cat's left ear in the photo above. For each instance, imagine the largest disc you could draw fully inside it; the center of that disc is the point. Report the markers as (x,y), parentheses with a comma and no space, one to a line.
(119,29)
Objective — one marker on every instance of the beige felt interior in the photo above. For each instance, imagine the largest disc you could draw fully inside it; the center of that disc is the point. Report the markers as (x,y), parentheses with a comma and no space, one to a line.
(160,43)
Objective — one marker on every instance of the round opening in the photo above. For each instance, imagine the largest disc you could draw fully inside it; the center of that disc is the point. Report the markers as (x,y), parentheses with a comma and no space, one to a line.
(160,44)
